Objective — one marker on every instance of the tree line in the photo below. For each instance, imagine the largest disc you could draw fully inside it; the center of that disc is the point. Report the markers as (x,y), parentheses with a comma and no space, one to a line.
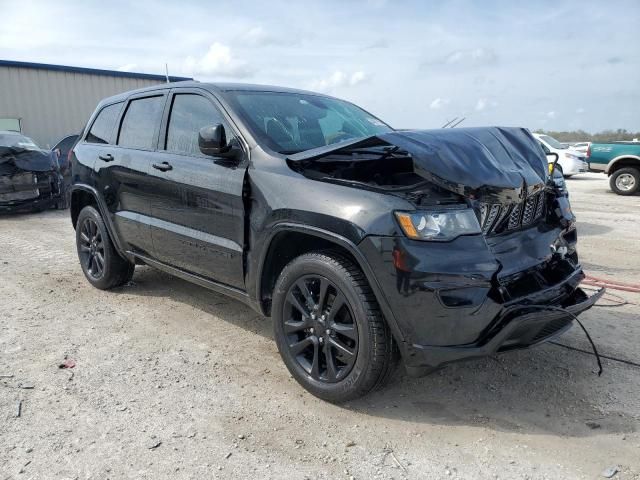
(600,137)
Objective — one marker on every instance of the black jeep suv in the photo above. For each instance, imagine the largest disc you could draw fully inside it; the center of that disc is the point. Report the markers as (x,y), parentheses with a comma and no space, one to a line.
(360,241)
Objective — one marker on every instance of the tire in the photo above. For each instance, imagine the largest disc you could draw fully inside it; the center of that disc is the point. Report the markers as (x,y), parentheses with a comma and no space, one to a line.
(64,202)
(354,322)
(93,242)
(625,181)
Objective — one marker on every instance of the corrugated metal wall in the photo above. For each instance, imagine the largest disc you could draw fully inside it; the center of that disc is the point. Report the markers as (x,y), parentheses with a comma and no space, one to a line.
(53,104)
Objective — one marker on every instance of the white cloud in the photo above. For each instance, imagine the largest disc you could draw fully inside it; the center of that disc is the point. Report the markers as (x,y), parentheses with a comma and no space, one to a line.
(580,110)
(481,104)
(218,61)
(129,67)
(438,103)
(356,78)
(380,43)
(259,37)
(476,56)
(551,114)
(339,79)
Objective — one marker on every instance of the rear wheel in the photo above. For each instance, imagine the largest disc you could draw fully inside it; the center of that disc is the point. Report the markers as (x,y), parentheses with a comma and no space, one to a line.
(65,201)
(329,329)
(103,267)
(625,181)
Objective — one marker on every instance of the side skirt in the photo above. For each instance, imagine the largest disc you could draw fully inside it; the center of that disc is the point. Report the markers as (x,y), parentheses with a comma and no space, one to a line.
(232,292)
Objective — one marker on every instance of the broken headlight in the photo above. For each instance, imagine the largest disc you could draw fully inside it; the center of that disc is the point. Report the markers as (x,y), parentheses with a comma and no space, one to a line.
(442,225)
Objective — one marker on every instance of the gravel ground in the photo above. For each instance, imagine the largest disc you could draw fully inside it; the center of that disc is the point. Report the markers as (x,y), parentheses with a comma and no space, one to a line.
(174,381)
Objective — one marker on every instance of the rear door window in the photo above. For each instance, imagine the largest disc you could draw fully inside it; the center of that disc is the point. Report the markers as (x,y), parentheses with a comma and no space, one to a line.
(102,127)
(190,113)
(140,123)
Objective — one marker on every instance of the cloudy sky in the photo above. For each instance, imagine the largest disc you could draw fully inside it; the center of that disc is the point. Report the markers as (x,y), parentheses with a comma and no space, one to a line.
(559,65)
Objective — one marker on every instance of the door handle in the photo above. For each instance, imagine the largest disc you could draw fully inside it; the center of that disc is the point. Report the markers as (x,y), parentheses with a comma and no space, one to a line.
(163,167)
(107,158)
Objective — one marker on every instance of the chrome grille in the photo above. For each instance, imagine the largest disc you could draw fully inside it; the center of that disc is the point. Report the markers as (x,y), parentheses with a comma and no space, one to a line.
(529,210)
(514,217)
(540,206)
(497,218)
(490,213)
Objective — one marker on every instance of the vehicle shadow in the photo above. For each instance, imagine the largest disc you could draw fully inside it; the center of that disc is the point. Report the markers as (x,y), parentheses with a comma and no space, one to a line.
(581,178)
(547,389)
(543,390)
(591,229)
(149,282)
(26,214)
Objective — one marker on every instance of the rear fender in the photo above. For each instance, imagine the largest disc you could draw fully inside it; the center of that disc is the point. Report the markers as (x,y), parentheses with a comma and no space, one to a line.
(104,212)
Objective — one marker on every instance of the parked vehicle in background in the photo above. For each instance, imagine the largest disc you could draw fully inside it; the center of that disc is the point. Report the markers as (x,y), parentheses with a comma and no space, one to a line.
(30,177)
(570,162)
(357,239)
(62,150)
(581,147)
(619,160)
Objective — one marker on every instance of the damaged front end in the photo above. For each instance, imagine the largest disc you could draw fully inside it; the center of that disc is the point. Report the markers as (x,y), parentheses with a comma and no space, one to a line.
(30,179)
(486,261)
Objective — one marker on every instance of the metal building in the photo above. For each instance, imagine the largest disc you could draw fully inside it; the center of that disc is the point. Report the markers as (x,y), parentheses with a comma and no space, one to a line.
(49,102)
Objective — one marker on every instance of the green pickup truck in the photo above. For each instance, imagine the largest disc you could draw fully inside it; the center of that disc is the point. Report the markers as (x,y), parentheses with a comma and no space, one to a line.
(619,160)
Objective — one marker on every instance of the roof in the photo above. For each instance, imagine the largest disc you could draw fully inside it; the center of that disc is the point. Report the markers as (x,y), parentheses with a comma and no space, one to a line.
(90,71)
(215,87)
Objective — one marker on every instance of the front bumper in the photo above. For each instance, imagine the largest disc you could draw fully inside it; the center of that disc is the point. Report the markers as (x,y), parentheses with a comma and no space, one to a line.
(473,296)
(520,326)
(30,190)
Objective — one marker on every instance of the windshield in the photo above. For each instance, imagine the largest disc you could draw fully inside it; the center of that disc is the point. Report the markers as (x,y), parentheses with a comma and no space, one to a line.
(553,143)
(14,140)
(293,122)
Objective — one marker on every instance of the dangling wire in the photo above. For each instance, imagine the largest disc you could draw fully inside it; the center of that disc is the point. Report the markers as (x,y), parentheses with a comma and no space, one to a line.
(574,317)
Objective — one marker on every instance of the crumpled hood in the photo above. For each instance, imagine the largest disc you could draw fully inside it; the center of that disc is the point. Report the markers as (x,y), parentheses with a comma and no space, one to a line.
(488,163)
(28,160)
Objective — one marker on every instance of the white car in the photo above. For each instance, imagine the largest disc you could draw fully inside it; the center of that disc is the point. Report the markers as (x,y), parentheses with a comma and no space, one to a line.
(570,161)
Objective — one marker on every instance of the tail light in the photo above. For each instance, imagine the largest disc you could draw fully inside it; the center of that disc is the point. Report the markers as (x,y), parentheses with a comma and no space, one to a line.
(589,150)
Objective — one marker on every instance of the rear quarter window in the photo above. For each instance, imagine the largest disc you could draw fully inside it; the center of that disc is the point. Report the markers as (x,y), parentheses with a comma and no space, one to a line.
(102,127)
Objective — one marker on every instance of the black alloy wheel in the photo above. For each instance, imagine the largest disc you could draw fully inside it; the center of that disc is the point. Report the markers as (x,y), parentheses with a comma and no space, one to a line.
(91,248)
(321,332)
(329,329)
(101,264)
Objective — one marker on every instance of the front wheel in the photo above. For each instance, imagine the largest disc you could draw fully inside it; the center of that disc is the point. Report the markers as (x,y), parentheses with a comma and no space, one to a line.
(329,329)
(101,264)
(625,181)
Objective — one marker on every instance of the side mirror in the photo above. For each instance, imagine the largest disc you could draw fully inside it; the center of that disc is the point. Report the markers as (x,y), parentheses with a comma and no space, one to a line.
(212,140)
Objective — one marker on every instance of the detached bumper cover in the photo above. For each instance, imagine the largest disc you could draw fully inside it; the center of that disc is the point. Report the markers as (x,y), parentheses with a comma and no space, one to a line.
(476,295)
(520,326)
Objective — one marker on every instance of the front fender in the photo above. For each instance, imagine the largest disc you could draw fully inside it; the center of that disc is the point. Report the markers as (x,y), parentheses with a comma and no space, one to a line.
(609,169)
(350,247)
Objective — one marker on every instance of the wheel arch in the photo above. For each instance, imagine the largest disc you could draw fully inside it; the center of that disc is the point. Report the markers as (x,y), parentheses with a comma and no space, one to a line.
(277,253)
(621,162)
(83,195)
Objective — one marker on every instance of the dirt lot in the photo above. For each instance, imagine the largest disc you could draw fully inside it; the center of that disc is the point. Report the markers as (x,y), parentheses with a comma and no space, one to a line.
(173,381)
